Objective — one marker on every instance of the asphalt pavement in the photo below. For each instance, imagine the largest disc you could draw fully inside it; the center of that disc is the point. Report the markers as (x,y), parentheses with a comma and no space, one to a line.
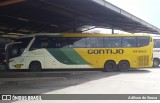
(140,81)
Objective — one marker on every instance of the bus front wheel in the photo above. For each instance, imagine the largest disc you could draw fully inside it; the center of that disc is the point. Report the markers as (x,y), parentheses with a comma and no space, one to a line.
(35,66)
(110,66)
(156,62)
(123,66)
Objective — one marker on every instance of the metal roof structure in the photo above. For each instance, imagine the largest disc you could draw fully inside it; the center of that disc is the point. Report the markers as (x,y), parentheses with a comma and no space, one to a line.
(34,16)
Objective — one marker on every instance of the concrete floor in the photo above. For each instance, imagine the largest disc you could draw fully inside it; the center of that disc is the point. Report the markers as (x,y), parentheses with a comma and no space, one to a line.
(142,81)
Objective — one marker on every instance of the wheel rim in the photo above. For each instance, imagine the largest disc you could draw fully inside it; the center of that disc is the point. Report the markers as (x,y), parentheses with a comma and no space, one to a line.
(155,63)
(124,66)
(35,67)
(110,66)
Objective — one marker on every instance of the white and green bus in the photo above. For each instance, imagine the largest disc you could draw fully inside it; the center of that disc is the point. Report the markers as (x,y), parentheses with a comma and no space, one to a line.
(109,52)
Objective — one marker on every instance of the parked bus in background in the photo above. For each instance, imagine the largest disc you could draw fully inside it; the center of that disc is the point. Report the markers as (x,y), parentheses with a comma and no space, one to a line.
(156,51)
(109,52)
(3,42)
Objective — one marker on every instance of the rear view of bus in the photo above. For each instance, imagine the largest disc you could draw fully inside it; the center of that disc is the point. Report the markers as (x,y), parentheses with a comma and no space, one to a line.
(156,51)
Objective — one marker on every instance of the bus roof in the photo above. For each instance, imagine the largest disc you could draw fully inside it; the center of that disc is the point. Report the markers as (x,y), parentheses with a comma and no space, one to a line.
(79,35)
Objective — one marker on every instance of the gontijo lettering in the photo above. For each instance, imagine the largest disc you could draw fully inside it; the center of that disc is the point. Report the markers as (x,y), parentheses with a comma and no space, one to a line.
(105,51)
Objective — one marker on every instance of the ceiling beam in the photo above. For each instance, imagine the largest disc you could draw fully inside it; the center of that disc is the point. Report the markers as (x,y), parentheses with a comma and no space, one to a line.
(9,2)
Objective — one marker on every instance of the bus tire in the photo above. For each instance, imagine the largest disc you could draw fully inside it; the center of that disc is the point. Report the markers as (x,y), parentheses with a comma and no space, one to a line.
(110,66)
(3,67)
(35,66)
(156,62)
(123,66)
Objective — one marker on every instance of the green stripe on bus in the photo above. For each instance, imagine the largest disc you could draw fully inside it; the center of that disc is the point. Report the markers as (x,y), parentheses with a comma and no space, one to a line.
(60,56)
(74,56)
(66,56)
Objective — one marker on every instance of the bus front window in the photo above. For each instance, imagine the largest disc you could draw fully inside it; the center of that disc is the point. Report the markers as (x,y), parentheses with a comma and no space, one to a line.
(15,50)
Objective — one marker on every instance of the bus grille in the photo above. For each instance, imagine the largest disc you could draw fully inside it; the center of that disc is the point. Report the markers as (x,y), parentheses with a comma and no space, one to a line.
(143,61)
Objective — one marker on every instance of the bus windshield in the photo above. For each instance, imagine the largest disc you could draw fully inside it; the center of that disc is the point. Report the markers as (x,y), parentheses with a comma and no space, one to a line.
(16,49)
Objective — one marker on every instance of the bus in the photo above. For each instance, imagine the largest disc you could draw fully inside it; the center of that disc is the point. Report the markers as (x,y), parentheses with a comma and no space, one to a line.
(3,42)
(156,51)
(108,52)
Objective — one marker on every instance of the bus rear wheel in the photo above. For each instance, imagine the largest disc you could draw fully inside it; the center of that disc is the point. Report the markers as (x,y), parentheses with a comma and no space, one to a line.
(156,62)
(123,66)
(110,66)
(35,66)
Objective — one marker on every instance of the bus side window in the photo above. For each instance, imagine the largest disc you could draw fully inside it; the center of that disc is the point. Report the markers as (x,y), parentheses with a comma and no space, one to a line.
(40,42)
(78,42)
(58,42)
(35,44)
(156,43)
(106,42)
(64,42)
(44,44)
(94,42)
(129,42)
(115,42)
(143,41)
